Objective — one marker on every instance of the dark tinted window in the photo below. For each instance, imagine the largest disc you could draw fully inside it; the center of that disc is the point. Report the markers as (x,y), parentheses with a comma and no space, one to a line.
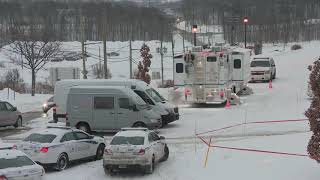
(40,138)
(103,103)
(237,63)
(15,162)
(80,135)
(260,64)
(153,136)
(124,103)
(144,96)
(179,68)
(68,137)
(212,59)
(3,107)
(135,140)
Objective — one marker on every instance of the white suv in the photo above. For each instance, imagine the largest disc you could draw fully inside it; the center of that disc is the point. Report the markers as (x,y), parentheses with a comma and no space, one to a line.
(263,69)
(135,148)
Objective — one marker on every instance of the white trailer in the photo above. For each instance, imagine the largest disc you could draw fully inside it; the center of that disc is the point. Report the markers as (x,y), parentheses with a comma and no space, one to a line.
(210,76)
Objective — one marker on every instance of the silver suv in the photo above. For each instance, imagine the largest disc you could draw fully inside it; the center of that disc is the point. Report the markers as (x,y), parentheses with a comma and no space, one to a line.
(9,115)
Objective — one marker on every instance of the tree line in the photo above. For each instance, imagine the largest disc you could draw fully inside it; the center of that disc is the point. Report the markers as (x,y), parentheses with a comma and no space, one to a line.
(70,20)
(269,21)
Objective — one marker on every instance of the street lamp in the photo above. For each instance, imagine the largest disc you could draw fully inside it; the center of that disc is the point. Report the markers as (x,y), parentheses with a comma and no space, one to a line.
(194,31)
(245,21)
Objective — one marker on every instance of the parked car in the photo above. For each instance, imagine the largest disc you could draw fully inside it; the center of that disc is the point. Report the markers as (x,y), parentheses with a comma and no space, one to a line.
(48,105)
(57,146)
(108,108)
(14,164)
(9,115)
(135,148)
(263,69)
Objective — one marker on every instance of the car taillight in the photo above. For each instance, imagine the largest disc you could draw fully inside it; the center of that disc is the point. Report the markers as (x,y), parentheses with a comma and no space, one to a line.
(108,151)
(44,149)
(142,152)
(221,94)
(3,177)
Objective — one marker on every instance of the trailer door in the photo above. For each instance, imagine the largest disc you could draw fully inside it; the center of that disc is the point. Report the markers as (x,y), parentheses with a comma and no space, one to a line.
(179,72)
(237,66)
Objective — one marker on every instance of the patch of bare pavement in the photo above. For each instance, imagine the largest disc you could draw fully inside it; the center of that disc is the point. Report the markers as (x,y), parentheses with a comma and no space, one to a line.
(28,116)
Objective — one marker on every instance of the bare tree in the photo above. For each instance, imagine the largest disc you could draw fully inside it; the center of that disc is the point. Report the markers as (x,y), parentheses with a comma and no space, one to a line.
(36,55)
(13,80)
(98,71)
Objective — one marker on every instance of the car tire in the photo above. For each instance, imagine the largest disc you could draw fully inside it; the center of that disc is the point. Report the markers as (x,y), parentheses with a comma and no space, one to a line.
(84,127)
(150,168)
(62,162)
(139,124)
(100,152)
(166,154)
(18,122)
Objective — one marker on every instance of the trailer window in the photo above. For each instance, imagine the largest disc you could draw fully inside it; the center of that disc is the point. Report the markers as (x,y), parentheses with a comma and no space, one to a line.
(212,59)
(103,103)
(179,68)
(237,64)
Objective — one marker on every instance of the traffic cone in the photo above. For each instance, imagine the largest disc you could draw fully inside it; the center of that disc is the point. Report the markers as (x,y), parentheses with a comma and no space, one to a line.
(228,105)
(270,84)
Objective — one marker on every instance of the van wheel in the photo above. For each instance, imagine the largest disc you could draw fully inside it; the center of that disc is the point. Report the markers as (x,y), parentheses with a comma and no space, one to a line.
(139,124)
(18,122)
(84,127)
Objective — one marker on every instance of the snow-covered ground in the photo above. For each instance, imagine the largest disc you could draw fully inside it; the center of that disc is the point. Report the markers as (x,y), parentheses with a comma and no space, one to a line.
(24,102)
(286,100)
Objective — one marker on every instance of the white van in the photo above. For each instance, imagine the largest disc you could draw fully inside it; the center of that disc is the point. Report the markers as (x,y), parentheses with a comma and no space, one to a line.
(168,112)
(108,108)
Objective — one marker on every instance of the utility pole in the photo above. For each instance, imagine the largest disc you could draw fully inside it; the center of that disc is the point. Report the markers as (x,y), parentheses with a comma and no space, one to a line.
(105,66)
(100,75)
(161,54)
(130,59)
(84,70)
(172,45)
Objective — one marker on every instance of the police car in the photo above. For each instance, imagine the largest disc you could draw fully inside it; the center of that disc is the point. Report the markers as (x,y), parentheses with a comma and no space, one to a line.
(15,164)
(135,148)
(57,146)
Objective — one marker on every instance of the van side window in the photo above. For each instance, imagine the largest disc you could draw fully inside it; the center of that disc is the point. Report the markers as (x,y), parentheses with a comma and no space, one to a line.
(179,68)
(237,64)
(124,103)
(103,102)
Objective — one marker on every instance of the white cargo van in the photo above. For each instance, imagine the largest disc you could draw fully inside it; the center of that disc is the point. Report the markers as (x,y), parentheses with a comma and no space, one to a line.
(168,112)
(108,108)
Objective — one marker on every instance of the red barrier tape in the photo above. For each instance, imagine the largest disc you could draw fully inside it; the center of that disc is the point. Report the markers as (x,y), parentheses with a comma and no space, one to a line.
(252,150)
(256,122)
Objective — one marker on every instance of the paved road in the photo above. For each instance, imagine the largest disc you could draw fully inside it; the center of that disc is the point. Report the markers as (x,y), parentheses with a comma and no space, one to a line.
(7,131)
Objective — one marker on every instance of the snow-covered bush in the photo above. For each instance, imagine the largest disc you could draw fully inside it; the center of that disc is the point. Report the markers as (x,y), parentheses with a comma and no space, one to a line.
(296,47)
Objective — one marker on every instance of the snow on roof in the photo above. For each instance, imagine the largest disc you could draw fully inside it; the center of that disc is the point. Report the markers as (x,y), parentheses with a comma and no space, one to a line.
(12,153)
(131,133)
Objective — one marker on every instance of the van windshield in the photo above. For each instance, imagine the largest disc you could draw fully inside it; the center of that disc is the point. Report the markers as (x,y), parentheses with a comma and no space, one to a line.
(144,96)
(155,95)
(260,64)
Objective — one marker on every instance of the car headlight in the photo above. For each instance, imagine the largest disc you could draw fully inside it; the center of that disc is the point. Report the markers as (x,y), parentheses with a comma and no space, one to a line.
(45,105)
(267,72)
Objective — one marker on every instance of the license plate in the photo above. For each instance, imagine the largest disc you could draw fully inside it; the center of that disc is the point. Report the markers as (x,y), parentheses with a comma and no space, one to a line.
(122,166)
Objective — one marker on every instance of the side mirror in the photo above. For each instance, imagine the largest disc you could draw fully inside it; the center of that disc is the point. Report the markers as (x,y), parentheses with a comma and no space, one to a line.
(14,109)
(162,138)
(134,108)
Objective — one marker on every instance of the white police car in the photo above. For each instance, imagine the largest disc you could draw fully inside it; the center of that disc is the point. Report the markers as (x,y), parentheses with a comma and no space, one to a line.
(57,146)
(16,165)
(135,148)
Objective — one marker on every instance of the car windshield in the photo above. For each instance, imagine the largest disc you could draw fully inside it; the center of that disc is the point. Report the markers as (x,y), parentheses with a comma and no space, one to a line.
(144,96)
(15,162)
(134,140)
(155,95)
(260,63)
(40,138)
